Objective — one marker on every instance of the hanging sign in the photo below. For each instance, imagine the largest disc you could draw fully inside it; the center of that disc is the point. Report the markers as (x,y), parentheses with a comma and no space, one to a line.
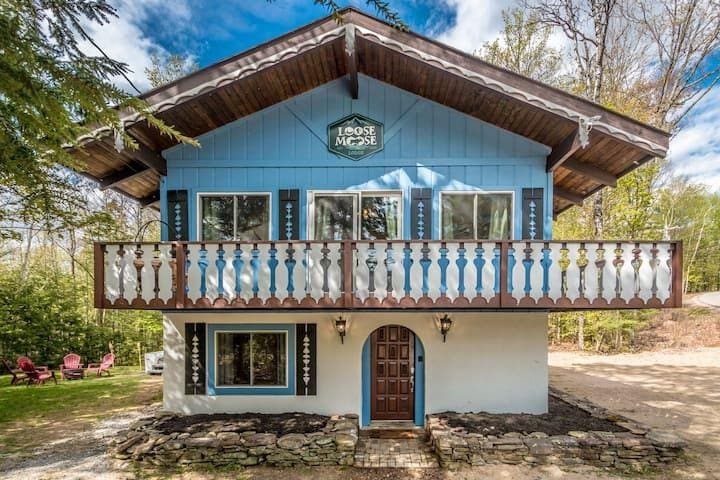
(355,137)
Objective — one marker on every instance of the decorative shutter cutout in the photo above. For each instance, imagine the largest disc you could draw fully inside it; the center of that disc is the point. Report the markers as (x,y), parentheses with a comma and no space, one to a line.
(289,219)
(421,213)
(177,211)
(195,358)
(306,359)
(533,217)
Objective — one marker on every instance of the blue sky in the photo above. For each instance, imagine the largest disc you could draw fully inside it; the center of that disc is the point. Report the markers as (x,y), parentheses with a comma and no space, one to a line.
(212,30)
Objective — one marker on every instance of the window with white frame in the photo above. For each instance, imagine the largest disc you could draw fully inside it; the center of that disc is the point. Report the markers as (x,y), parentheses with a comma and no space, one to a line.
(486,216)
(251,359)
(367,215)
(241,217)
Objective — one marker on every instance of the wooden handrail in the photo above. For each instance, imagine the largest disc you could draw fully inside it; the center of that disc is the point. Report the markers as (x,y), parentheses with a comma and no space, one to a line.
(347,285)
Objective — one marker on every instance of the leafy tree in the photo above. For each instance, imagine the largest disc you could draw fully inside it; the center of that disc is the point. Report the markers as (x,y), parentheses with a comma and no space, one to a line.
(523,48)
(166,69)
(650,60)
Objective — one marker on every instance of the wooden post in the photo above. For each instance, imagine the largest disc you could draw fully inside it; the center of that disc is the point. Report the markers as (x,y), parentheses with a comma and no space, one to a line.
(504,250)
(677,271)
(99,280)
(180,275)
(348,271)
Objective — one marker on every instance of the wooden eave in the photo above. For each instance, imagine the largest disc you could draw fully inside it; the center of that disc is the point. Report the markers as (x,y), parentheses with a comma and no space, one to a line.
(324,51)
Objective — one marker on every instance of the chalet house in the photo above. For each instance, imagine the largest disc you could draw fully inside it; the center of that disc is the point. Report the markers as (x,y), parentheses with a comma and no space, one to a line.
(367,227)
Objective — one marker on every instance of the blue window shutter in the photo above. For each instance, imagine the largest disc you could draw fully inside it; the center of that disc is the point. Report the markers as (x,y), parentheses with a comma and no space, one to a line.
(306,358)
(533,218)
(289,214)
(177,211)
(195,359)
(421,213)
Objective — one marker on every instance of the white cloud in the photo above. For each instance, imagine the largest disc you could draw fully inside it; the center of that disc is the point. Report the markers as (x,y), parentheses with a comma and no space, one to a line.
(477,21)
(480,21)
(123,39)
(695,149)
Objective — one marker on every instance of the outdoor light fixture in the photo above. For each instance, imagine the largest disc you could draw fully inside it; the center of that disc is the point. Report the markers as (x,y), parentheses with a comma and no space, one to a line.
(341,326)
(445,324)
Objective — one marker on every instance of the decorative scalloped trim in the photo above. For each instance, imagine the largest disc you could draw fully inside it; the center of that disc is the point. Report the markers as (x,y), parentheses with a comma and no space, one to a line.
(230,77)
(506,89)
(398,46)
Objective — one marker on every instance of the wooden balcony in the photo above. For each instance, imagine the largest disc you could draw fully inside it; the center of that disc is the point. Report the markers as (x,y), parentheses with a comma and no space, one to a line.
(547,275)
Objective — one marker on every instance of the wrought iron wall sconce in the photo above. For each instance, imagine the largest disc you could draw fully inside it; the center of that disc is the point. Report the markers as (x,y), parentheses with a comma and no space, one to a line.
(444,324)
(341,327)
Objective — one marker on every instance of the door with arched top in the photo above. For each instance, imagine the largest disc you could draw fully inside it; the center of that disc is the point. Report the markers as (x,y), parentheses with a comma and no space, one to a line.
(392,357)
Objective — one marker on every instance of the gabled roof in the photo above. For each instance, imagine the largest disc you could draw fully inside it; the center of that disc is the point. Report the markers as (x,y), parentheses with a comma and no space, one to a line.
(591,146)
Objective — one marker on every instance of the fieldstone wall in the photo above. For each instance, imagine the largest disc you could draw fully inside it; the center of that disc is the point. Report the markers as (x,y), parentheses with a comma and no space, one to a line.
(635,449)
(219,443)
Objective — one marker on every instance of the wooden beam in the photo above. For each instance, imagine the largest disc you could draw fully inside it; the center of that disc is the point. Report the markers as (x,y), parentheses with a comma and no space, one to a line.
(592,172)
(351,60)
(150,199)
(150,158)
(569,196)
(563,150)
(124,175)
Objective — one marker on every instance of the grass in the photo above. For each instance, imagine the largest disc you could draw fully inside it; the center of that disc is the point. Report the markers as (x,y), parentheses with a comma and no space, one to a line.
(70,406)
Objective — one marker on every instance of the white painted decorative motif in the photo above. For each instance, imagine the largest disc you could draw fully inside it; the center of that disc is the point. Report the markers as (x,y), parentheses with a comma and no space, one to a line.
(306,361)
(585,124)
(195,360)
(532,223)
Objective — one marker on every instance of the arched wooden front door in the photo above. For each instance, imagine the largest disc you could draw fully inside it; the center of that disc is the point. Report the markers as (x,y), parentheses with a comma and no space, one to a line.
(393,370)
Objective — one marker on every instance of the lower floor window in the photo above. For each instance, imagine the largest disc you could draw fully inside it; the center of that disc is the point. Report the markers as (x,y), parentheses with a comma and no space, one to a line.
(251,359)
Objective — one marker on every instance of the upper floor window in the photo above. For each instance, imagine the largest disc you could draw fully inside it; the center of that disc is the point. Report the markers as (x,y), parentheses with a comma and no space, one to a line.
(241,217)
(486,216)
(356,215)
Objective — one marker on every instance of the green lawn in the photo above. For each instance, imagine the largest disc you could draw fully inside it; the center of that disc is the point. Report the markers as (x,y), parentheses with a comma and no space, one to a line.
(70,405)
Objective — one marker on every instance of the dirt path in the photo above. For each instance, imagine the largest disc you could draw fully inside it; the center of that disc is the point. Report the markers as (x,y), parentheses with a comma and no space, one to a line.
(678,391)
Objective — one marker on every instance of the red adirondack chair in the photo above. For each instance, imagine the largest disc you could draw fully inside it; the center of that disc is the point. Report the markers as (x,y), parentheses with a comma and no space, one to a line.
(35,375)
(18,376)
(71,367)
(27,359)
(107,362)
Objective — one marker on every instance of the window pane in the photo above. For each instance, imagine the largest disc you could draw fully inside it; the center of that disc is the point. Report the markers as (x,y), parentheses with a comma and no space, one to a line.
(380,217)
(233,359)
(334,217)
(268,358)
(253,218)
(457,217)
(494,214)
(217,218)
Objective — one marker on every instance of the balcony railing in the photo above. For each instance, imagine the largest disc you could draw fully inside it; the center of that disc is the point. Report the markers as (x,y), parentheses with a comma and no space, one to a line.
(550,275)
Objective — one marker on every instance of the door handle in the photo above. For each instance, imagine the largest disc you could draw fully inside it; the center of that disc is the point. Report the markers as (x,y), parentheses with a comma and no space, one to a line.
(412,379)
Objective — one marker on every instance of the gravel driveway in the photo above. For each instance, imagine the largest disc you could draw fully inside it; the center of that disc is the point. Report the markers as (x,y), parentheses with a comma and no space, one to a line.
(678,391)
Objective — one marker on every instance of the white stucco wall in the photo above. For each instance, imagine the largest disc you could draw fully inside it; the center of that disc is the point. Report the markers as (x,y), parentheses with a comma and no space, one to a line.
(492,361)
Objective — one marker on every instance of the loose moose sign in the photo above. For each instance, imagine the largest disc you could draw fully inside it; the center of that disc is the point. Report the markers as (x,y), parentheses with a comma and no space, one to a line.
(355,137)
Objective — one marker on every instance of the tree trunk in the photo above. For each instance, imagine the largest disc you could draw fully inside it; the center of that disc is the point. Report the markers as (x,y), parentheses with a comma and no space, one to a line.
(598,219)
(581,332)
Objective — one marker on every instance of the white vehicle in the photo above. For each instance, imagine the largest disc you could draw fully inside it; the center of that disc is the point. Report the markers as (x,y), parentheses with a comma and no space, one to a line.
(154,363)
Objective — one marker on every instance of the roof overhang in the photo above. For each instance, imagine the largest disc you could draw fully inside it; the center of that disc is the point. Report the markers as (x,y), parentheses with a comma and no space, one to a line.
(591,146)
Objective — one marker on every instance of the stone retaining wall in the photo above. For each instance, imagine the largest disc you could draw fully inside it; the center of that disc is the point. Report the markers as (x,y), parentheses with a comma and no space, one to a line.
(637,448)
(219,443)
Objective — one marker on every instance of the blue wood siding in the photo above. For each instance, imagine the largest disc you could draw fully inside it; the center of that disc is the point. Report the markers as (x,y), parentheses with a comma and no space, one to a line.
(427,145)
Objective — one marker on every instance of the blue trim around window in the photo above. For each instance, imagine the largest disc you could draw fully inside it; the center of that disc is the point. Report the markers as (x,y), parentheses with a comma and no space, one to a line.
(289,389)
